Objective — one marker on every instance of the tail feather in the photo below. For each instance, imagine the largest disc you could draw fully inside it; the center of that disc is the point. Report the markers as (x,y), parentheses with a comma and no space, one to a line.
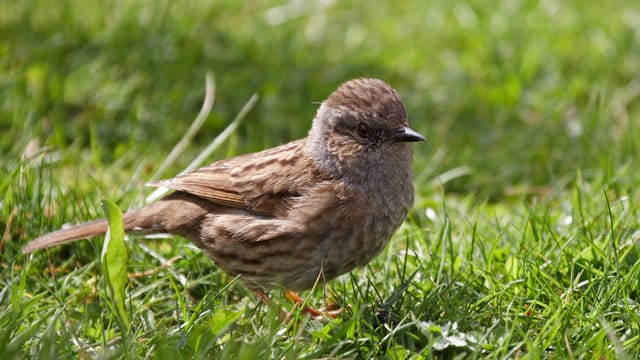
(63,236)
(177,213)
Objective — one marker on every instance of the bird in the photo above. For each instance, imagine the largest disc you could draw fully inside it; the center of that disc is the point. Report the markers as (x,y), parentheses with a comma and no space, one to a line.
(302,212)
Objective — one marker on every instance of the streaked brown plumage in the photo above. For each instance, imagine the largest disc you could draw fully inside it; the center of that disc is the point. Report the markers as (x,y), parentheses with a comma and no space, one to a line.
(313,208)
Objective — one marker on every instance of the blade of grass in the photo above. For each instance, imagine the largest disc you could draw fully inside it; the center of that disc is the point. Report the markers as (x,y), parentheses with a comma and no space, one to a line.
(207,105)
(114,260)
(217,141)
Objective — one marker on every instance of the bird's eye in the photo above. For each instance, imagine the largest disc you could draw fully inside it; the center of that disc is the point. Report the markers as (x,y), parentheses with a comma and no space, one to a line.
(363,131)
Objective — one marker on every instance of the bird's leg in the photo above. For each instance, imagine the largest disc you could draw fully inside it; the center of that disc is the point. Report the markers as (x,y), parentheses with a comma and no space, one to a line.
(296,299)
(284,316)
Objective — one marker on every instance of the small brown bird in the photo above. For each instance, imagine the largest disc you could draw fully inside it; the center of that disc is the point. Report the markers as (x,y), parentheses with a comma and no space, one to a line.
(311,209)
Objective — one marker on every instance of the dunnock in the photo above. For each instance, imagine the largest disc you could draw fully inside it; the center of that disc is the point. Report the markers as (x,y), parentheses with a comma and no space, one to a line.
(311,209)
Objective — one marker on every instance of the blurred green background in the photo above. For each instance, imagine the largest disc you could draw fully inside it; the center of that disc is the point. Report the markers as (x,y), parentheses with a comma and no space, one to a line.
(523,92)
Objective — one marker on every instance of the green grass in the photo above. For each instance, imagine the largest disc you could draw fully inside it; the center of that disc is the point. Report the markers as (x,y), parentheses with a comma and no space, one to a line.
(524,241)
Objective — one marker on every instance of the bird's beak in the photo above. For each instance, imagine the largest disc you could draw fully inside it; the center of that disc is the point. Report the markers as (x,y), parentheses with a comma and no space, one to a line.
(406,134)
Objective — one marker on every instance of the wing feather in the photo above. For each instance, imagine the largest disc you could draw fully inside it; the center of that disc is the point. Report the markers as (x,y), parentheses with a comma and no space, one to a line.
(264,183)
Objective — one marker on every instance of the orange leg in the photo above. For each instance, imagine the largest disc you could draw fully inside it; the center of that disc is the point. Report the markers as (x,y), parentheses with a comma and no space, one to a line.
(296,299)
(267,300)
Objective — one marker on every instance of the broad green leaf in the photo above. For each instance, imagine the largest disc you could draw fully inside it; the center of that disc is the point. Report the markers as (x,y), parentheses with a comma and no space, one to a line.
(114,261)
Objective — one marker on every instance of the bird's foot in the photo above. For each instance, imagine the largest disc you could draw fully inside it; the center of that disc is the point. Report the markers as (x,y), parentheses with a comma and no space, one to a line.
(332,311)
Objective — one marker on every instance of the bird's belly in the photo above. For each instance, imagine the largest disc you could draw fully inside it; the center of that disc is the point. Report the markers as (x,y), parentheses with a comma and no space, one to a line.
(302,257)
(333,256)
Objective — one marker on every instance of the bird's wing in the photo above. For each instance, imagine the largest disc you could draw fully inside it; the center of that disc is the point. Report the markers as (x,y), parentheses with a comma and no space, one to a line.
(264,183)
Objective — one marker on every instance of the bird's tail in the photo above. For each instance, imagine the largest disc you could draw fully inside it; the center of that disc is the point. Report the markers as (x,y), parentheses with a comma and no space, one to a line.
(178,213)
(63,236)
